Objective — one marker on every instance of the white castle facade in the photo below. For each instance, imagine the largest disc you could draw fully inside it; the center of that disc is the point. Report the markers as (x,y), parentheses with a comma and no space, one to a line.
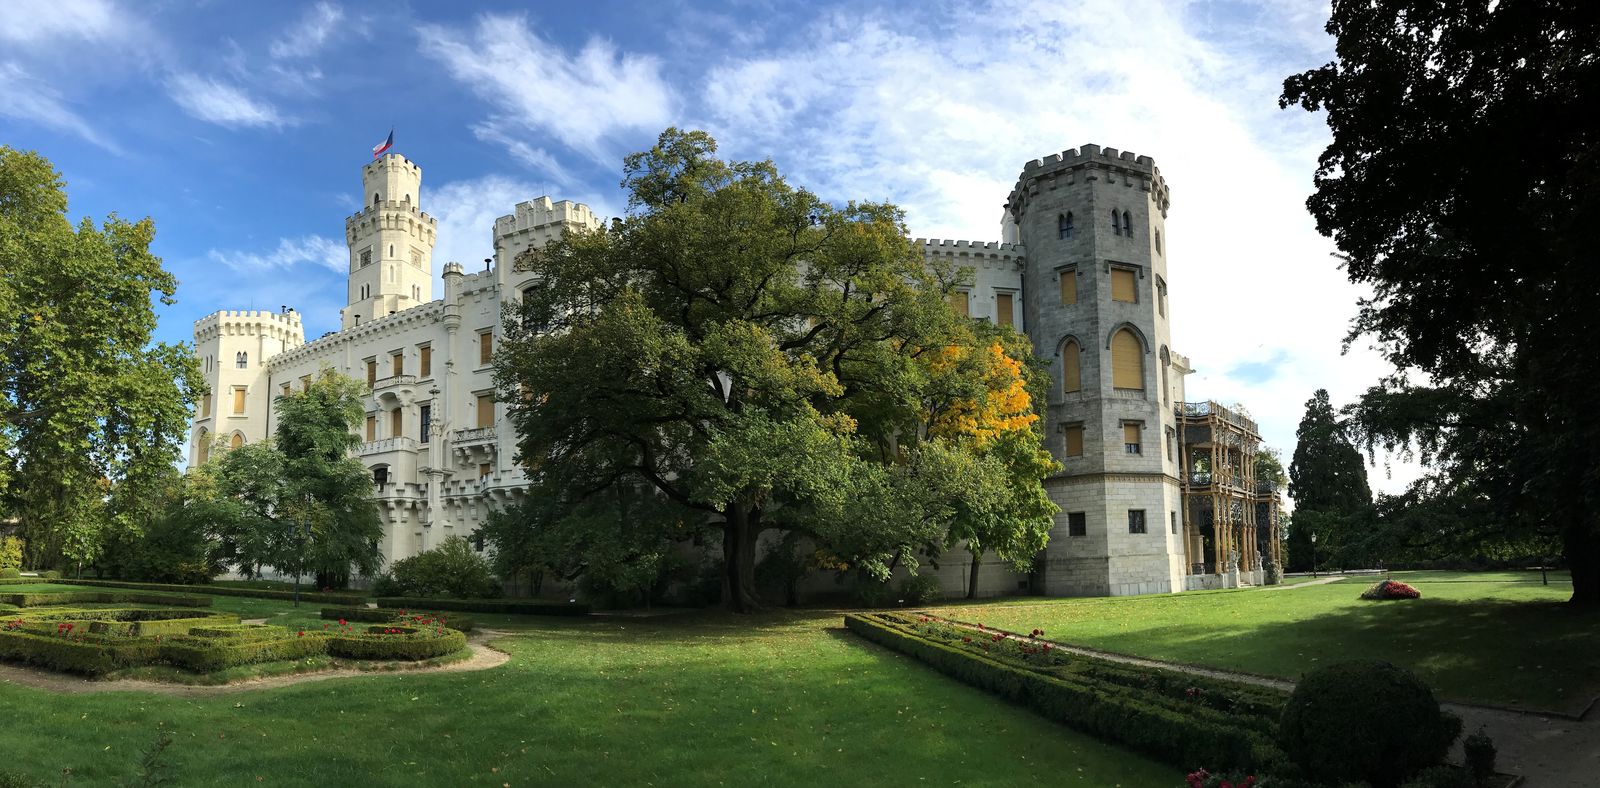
(1081,269)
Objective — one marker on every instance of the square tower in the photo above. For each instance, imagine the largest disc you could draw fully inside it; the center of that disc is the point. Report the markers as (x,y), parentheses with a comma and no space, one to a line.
(391,243)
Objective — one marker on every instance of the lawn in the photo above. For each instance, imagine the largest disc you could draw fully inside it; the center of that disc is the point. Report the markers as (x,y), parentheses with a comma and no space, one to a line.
(779,699)
(1500,638)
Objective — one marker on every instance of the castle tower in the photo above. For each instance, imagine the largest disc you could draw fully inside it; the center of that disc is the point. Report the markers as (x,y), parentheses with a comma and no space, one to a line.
(391,243)
(233,348)
(1095,303)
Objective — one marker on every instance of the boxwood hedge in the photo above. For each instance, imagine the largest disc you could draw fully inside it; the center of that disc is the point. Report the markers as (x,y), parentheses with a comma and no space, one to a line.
(259,593)
(39,599)
(524,607)
(398,616)
(406,643)
(208,654)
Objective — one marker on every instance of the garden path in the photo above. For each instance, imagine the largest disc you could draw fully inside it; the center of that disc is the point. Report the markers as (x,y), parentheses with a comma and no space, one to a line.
(483,657)
(1547,750)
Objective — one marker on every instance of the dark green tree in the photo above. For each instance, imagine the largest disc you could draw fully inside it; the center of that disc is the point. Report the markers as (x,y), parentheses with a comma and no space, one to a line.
(1461,185)
(1328,482)
(93,414)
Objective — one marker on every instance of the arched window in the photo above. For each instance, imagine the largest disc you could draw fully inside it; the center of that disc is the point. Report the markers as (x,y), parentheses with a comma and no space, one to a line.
(1064,225)
(1116,223)
(391,250)
(1158,242)
(204,447)
(1071,367)
(1127,223)
(236,441)
(374,198)
(242,360)
(1127,360)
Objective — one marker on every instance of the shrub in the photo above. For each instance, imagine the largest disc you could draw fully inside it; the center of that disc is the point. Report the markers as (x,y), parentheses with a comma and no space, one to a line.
(259,593)
(1479,751)
(452,569)
(108,597)
(513,606)
(49,574)
(10,573)
(920,590)
(393,616)
(1390,589)
(1365,720)
(208,654)
(1439,777)
(10,556)
(77,654)
(240,632)
(390,642)
(874,593)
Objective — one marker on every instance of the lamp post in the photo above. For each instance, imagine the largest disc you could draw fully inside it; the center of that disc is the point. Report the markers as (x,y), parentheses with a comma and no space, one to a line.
(1313,553)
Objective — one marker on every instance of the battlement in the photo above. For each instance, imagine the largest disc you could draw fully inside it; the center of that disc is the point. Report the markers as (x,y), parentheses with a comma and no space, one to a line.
(453,269)
(1090,162)
(290,319)
(389,206)
(244,322)
(946,245)
(541,212)
(392,161)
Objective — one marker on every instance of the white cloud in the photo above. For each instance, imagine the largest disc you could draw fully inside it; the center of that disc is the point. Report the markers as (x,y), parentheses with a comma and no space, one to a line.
(309,35)
(38,21)
(290,252)
(941,120)
(25,98)
(222,104)
(581,100)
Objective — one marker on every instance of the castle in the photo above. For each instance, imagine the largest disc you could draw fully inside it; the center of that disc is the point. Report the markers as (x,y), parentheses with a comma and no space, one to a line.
(1156,494)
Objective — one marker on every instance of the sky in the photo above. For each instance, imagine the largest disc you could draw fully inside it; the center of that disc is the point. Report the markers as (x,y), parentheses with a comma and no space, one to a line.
(241,129)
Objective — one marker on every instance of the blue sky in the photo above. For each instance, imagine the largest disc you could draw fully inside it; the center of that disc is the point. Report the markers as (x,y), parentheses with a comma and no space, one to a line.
(240,128)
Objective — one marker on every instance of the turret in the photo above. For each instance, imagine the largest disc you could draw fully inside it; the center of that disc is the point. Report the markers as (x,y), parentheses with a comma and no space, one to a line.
(391,243)
(233,348)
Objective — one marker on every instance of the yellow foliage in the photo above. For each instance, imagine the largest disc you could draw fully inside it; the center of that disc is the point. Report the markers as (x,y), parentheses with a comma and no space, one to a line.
(1003,407)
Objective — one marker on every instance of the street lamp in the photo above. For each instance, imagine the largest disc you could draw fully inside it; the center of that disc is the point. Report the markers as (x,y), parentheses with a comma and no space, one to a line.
(1313,553)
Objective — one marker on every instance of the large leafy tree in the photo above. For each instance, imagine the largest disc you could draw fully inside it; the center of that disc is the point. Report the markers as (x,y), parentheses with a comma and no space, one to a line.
(1328,482)
(92,413)
(754,355)
(1461,183)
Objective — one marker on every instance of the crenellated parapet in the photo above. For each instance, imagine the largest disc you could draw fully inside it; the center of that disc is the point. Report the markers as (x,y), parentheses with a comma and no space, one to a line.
(984,254)
(1090,162)
(283,326)
(541,212)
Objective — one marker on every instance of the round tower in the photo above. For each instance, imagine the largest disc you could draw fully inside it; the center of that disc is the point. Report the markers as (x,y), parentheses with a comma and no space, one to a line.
(1093,224)
(391,243)
(233,347)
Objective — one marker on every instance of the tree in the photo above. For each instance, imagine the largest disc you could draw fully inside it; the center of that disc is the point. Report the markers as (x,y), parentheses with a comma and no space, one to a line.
(300,503)
(1460,184)
(92,413)
(753,354)
(1328,482)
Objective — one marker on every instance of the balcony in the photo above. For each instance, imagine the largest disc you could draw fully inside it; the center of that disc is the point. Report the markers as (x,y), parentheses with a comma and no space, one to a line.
(473,446)
(392,382)
(1200,410)
(473,437)
(387,445)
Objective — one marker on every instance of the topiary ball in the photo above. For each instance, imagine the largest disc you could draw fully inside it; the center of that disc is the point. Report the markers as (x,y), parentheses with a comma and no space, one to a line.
(1365,720)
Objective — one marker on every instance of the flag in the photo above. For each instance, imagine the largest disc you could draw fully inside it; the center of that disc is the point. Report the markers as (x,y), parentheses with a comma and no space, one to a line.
(377,150)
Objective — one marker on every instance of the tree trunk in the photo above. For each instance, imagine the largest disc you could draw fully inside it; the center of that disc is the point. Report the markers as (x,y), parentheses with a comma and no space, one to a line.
(972,577)
(1582,548)
(739,559)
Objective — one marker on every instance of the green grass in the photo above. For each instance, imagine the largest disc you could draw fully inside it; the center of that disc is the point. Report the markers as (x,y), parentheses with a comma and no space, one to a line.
(1500,638)
(779,699)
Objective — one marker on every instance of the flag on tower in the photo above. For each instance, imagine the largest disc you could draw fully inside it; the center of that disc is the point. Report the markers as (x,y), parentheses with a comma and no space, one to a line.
(377,150)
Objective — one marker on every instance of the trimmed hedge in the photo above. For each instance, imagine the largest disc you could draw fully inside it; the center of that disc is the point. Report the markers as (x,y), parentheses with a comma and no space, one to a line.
(93,657)
(259,593)
(240,632)
(384,615)
(1140,719)
(406,643)
(205,655)
(512,606)
(45,599)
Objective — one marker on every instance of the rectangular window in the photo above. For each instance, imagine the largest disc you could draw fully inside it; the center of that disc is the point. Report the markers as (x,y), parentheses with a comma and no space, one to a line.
(485,347)
(398,361)
(1174,523)
(1077,524)
(205,405)
(372,428)
(1170,442)
(372,372)
(1069,287)
(285,389)
(485,410)
(1161,296)
(483,469)
(1130,439)
(426,413)
(958,302)
(1136,521)
(425,360)
(238,400)
(1074,433)
(1123,285)
(1002,308)
(366,257)
(396,427)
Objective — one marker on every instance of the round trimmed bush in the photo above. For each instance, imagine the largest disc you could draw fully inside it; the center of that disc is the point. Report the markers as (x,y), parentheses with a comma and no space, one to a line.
(1365,720)
(10,573)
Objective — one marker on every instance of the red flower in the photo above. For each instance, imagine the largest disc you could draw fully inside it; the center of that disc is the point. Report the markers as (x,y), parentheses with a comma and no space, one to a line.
(341,622)
(302,633)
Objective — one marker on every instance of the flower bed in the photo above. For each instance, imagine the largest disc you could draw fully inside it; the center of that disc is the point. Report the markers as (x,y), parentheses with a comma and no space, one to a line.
(514,606)
(117,622)
(1391,589)
(1161,718)
(44,599)
(381,615)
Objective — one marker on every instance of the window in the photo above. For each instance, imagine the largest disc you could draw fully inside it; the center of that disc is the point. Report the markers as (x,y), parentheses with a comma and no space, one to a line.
(242,360)
(380,475)
(483,469)
(1069,287)
(1071,367)
(1124,285)
(1174,523)
(1074,440)
(238,399)
(1116,223)
(372,428)
(416,258)
(236,441)
(398,362)
(1064,225)
(485,347)
(1127,224)
(1077,524)
(203,450)
(374,198)
(485,410)
(426,412)
(1170,442)
(1161,296)
(1136,521)
(285,389)
(425,360)
(958,302)
(391,251)
(1127,361)
(205,405)
(1158,242)
(1002,309)
(372,371)
(396,423)
(477,541)
(1130,439)
(366,257)
(305,383)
